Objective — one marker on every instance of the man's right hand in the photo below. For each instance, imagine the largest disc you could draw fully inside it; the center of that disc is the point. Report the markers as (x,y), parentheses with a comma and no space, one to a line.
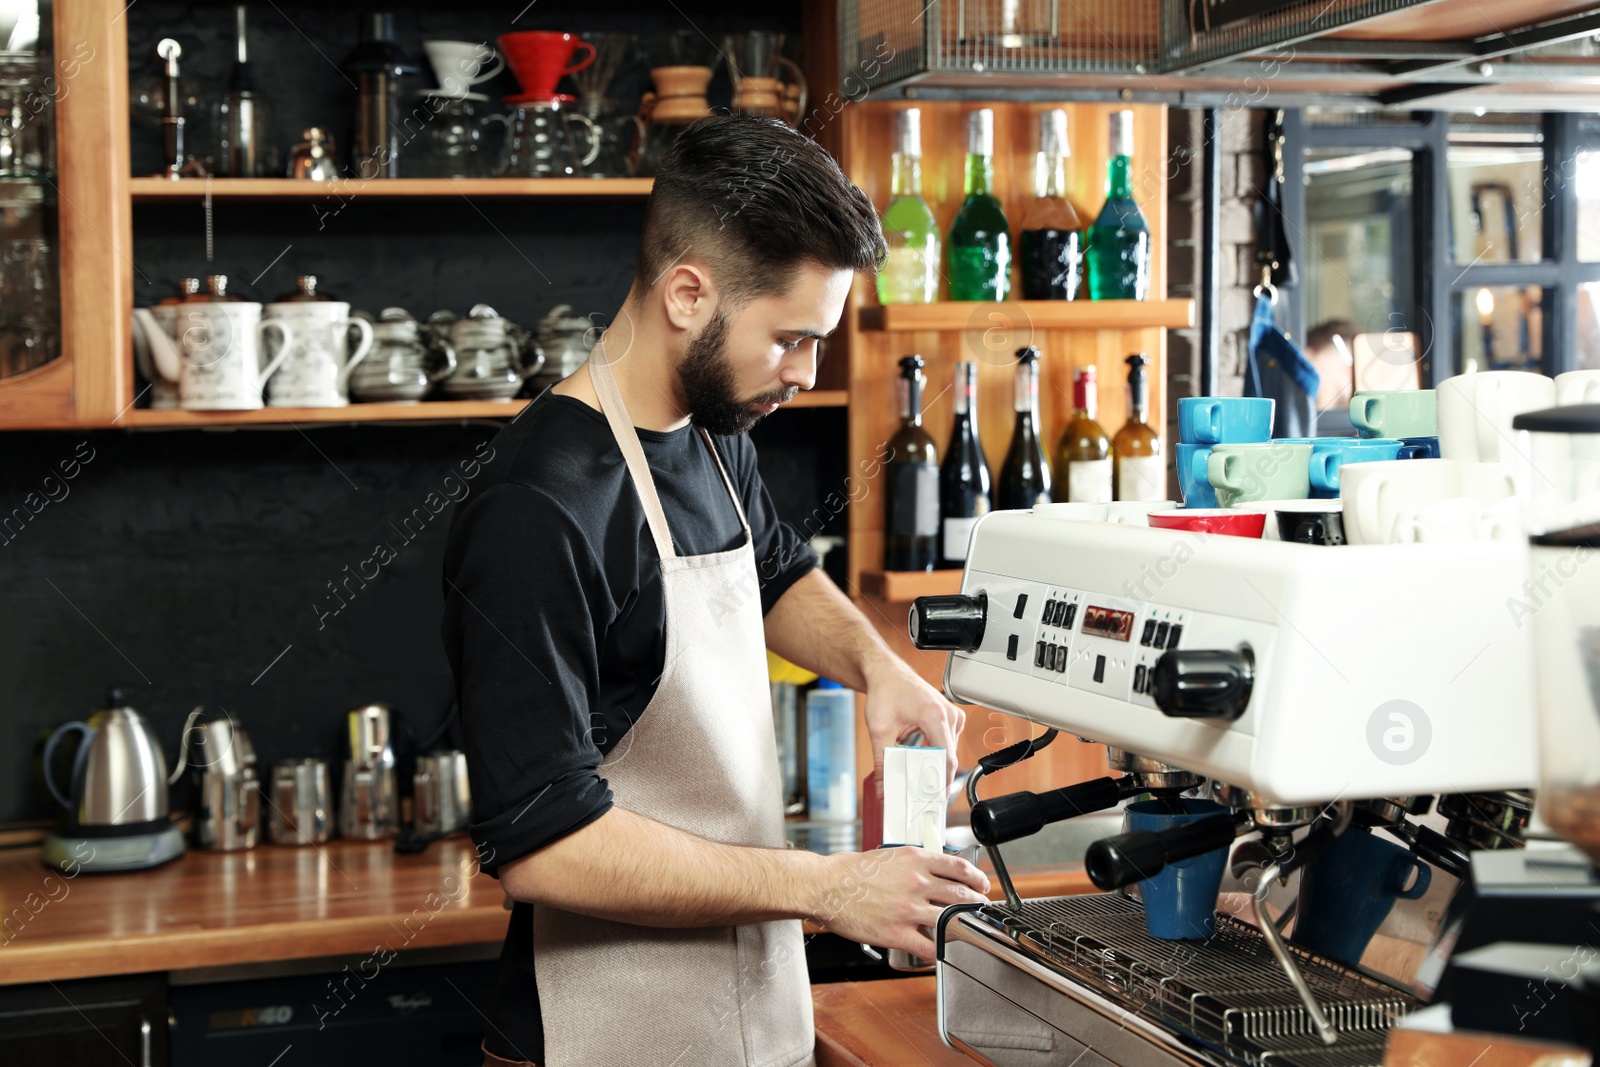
(892,897)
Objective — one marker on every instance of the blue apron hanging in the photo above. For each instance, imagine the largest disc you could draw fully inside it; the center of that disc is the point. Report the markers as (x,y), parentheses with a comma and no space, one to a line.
(1278,369)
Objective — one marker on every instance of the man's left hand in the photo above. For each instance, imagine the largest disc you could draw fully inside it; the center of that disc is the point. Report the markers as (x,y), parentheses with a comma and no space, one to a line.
(900,703)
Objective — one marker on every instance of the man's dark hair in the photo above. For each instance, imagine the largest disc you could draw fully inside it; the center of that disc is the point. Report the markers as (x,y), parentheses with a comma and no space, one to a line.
(752,199)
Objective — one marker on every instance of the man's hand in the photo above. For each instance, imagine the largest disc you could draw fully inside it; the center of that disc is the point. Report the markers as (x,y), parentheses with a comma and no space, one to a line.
(892,897)
(900,703)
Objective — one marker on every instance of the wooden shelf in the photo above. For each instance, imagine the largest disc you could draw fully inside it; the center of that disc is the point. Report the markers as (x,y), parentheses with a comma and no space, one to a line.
(426,411)
(152,190)
(1038,314)
(820,398)
(902,587)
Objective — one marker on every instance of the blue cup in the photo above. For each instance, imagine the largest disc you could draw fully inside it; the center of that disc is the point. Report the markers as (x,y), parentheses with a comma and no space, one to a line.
(1347,892)
(1328,454)
(1181,901)
(1217,420)
(1192,481)
(1419,448)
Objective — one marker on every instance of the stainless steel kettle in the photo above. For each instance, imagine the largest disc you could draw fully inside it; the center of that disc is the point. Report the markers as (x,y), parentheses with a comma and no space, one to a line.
(116,800)
(228,801)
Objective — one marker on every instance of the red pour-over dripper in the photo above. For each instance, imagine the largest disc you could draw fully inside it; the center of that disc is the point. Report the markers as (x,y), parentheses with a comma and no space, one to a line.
(541,58)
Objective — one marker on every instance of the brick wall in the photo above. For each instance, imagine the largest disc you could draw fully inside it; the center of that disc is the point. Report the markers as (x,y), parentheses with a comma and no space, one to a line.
(1243,176)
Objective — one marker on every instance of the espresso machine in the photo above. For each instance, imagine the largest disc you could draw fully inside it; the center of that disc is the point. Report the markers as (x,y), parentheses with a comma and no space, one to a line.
(1312,692)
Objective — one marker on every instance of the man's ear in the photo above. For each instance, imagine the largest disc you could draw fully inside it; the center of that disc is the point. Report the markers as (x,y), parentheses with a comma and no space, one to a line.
(688,297)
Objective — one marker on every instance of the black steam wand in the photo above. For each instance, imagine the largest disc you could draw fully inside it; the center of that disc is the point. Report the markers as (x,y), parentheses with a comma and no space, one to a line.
(994,761)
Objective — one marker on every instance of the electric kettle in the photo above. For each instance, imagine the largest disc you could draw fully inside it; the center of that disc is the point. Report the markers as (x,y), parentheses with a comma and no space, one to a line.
(115,804)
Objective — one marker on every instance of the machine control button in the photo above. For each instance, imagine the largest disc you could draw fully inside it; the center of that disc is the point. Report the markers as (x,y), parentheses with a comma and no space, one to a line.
(1061,612)
(1072,611)
(1138,678)
(1149,632)
(1061,660)
(1099,668)
(1161,634)
(1049,607)
(1173,635)
(1204,683)
(1011,647)
(1022,605)
(948,623)
(1038,654)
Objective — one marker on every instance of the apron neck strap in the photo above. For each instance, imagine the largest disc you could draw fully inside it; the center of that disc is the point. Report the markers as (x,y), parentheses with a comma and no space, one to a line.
(616,413)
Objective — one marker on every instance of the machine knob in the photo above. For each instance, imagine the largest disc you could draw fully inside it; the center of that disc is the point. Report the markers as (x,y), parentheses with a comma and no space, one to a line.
(1204,683)
(948,623)
(1002,819)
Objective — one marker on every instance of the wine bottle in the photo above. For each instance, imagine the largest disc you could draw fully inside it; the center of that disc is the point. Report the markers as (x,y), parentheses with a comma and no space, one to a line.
(1025,475)
(964,487)
(911,273)
(1052,234)
(980,237)
(1141,472)
(1084,449)
(1118,250)
(911,519)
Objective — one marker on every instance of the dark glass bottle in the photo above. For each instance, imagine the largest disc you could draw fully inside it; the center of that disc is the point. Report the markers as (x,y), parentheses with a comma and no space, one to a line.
(911,513)
(1118,251)
(1052,234)
(964,485)
(1025,475)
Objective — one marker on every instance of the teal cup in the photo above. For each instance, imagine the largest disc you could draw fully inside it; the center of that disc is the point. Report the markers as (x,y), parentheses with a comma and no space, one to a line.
(1395,413)
(1211,420)
(1328,454)
(1268,470)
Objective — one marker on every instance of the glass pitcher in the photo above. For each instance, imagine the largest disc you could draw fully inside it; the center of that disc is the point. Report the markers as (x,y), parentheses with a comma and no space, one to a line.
(541,143)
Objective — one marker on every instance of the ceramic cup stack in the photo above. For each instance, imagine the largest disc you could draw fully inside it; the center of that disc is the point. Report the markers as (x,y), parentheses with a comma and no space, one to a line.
(1204,422)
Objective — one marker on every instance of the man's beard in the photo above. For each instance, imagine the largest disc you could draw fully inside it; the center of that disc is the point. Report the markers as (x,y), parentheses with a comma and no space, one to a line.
(707,377)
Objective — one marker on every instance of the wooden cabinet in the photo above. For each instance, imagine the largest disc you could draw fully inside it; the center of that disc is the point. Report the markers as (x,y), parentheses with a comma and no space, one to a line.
(1068,334)
(98,1022)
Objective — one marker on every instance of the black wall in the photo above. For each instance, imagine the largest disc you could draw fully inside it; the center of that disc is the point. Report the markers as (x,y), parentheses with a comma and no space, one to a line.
(194,566)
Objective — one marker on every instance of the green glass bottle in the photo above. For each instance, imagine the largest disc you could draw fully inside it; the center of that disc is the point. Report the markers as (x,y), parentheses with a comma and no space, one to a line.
(911,273)
(980,238)
(1118,252)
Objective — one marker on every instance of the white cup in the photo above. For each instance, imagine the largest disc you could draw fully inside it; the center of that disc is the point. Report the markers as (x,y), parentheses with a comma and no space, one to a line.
(1136,512)
(1578,387)
(1475,412)
(1458,520)
(1377,495)
(459,65)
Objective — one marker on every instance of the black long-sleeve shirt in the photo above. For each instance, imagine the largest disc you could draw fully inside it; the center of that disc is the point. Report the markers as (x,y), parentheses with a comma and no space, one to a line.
(554,626)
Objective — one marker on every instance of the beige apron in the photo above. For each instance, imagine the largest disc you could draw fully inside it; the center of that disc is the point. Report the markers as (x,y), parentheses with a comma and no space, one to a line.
(701,758)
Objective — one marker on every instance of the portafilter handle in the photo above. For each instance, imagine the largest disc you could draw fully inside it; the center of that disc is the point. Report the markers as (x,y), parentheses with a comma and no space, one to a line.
(1123,859)
(1015,815)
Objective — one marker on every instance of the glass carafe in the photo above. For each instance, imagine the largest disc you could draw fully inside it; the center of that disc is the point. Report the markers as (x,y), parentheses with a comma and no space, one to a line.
(545,139)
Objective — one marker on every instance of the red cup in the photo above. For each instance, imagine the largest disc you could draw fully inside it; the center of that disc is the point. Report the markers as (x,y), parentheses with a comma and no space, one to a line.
(541,58)
(1230,521)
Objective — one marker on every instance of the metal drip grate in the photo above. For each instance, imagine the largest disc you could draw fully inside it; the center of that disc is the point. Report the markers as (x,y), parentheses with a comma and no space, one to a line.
(1226,992)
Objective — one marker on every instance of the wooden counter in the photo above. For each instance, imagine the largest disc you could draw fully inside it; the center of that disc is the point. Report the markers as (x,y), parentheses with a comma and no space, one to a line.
(223,908)
(219,909)
(881,1024)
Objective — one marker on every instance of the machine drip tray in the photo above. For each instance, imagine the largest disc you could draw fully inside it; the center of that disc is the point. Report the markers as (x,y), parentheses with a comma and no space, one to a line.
(1220,1001)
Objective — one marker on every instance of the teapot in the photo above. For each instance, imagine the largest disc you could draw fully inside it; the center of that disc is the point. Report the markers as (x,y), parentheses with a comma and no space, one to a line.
(492,355)
(216,359)
(158,325)
(566,339)
(316,371)
(397,371)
